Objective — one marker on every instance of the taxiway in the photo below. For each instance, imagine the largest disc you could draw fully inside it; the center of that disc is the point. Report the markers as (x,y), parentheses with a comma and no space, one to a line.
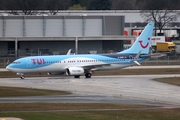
(125,89)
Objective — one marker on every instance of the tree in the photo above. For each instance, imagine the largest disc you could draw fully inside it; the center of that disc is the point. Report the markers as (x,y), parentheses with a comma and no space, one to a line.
(3,4)
(100,5)
(123,4)
(55,5)
(140,4)
(160,17)
(157,11)
(27,6)
(12,7)
(77,7)
(65,4)
(85,2)
(75,2)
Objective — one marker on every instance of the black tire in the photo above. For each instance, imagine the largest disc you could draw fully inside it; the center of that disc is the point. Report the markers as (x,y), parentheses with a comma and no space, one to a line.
(77,76)
(22,77)
(88,75)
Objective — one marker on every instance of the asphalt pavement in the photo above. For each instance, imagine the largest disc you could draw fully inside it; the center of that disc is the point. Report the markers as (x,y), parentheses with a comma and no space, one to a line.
(124,89)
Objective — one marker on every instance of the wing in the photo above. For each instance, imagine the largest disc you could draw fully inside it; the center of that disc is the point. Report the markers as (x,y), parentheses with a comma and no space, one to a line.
(94,66)
(89,67)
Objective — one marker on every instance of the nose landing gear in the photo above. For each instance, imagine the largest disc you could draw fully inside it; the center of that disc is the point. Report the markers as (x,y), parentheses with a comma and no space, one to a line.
(22,76)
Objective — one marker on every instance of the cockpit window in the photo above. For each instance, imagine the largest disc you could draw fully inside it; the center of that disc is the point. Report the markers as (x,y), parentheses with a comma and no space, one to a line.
(16,62)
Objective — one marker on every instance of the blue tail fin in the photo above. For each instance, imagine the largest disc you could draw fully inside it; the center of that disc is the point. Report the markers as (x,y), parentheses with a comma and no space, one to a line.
(143,42)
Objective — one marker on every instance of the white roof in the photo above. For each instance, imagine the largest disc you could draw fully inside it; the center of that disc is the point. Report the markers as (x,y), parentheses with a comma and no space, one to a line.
(130,15)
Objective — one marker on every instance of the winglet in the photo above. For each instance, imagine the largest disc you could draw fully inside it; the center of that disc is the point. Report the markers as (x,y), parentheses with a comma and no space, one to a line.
(69,52)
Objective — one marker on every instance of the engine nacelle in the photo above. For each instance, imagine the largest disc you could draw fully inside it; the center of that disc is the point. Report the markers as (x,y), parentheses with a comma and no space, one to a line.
(74,71)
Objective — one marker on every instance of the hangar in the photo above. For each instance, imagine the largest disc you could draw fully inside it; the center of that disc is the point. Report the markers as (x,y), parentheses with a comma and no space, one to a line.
(43,35)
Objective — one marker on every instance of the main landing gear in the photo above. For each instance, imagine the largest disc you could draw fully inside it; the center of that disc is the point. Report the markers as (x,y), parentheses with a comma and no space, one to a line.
(77,76)
(88,75)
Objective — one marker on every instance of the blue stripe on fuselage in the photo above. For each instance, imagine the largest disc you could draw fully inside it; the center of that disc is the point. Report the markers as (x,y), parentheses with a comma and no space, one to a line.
(34,62)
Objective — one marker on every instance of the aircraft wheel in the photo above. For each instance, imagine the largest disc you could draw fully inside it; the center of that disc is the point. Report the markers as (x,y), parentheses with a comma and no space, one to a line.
(88,75)
(77,76)
(22,77)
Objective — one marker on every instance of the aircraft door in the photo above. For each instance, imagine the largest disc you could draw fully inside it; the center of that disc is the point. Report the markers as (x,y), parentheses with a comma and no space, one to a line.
(29,63)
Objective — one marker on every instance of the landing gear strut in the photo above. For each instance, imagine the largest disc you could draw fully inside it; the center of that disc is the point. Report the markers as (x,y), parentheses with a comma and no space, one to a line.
(22,77)
(88,75)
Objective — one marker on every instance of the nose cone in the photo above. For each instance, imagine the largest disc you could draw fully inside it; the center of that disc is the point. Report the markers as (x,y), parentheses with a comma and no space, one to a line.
(7,67)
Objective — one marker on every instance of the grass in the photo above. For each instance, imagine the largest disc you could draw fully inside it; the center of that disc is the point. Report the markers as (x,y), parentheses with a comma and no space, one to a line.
(85,111)
(169,80)
(15,91)
(152,114)
(5,107)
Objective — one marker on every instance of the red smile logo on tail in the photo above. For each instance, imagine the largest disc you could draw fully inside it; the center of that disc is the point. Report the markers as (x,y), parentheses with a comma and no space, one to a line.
(144,46)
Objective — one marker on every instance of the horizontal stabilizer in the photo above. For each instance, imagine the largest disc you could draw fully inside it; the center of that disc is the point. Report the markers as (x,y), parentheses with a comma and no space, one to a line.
(136,58)
(137,63)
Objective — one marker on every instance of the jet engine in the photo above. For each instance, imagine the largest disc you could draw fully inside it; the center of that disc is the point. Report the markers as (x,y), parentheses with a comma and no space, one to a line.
(74,71)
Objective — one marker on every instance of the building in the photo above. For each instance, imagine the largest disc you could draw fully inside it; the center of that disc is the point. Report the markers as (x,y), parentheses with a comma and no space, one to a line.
(82,31)
(22,35)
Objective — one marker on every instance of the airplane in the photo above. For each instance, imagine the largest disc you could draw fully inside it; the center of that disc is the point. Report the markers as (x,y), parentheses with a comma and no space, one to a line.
(85,64)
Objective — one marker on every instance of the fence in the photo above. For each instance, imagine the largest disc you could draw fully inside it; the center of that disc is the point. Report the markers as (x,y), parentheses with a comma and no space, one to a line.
(166,60)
